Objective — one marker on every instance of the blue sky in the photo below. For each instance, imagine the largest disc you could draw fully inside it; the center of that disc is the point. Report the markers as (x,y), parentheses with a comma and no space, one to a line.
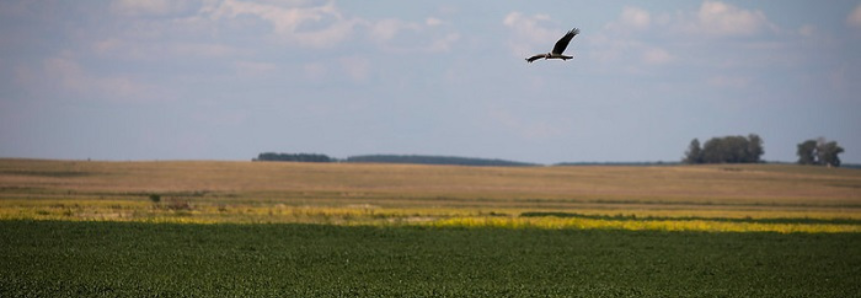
(228,79)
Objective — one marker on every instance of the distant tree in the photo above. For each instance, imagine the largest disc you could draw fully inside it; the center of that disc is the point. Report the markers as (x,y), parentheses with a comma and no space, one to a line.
(730,149)
(819,152)
(807,153)
(694,155)
(828,152)
(736,149)
(712,151)
(754,148)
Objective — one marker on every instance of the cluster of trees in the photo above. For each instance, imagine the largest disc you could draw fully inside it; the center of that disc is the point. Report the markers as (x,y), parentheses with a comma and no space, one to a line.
(403,159)
(740,149)
(819,152)
(300,157)
(729,149)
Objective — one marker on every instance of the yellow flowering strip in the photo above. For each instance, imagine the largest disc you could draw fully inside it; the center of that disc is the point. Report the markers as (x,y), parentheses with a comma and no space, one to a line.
(142,211)
(639,225)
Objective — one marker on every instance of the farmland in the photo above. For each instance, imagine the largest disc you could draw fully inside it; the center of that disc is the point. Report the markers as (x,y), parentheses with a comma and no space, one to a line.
(242,229)
(720,198)
(111,259)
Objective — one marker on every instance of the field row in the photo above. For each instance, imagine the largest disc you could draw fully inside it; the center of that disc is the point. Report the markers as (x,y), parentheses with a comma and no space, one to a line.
(110,259)
(401,186)
(806,221)
(775,198)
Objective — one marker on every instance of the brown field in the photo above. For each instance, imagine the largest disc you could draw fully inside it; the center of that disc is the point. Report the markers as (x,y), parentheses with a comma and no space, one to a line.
(279,191)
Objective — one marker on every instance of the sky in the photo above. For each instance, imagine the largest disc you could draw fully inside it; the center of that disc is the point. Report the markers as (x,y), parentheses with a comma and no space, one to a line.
(229,79)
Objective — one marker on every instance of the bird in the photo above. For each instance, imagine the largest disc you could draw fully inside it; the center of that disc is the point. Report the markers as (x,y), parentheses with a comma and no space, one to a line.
(558,48)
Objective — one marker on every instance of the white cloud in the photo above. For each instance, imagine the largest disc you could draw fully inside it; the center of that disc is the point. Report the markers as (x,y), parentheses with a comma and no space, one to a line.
(67,73)
(634,18)
(148,7)
(143,50)
(200,49)
(291,23)
(325,26)
(433,22)
(656,56)
(721,19)
(107,45)
(314,70)
(729,81)
(673,37)
(443,44)
(615,43)
(385,30)
(711,19)
(620,52)
(430,36)
(358,68)
(249,68)
(529,26)
(854,18)
(807,30)
(529,32)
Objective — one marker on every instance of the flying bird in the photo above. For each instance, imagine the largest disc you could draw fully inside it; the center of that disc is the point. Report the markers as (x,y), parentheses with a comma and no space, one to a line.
(558,48)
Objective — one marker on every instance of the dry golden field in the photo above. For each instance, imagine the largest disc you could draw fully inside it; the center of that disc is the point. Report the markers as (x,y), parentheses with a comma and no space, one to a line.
(219,191)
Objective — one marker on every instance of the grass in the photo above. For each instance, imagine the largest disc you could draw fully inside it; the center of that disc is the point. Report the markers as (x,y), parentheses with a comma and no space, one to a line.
(777,198)
(409,185)
(747,219)
(183,212)
(242,229)
(111,259)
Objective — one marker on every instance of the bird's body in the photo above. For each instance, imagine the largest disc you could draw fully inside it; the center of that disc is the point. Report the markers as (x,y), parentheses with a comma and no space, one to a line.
(548,56)
(558,49)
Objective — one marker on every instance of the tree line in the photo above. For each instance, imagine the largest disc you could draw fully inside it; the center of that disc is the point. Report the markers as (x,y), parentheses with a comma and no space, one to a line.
(295,157)
(741,149)
(388,158)
(727,149)
(436,160)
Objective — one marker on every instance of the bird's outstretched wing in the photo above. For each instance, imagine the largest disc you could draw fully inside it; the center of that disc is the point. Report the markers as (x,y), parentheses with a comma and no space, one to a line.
(533,58)
(563,42)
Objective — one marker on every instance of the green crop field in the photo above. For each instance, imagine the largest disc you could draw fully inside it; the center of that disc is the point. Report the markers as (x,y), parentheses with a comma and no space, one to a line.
(109,259)
(243,229)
